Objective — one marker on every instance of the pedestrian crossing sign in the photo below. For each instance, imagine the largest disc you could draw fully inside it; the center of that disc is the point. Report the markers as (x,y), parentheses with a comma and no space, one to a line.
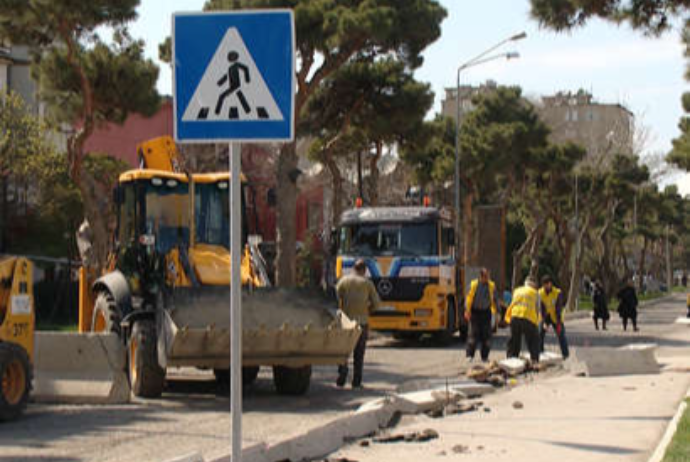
(234,76)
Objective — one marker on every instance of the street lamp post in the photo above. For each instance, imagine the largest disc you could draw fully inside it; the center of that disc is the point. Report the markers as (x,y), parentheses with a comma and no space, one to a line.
(477,60)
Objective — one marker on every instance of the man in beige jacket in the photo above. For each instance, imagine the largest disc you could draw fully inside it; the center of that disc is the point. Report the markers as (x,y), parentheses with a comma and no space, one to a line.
(357,298)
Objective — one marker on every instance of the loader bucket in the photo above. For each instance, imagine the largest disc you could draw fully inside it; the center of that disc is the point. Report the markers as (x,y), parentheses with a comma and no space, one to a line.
(79,368)
(288,327)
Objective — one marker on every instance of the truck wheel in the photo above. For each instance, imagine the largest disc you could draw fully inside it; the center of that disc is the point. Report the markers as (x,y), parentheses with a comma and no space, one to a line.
(249,375)
(291,380)
(446,336)
(15,380)
(106,315)
(146,377)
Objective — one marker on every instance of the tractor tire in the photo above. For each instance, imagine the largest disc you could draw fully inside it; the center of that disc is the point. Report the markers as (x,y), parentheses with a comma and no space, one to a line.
(446,336)
(249,375)
(15,380)
(292,380)
(146,377)
(106,315)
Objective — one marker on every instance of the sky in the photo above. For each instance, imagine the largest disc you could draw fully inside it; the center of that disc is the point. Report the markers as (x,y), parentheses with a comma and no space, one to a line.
(616,64)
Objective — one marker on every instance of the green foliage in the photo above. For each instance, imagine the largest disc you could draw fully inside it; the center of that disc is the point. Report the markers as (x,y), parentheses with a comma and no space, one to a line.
(122,81)
(336,28)
(365,103)
(651,16)
(22,136)
(84,81)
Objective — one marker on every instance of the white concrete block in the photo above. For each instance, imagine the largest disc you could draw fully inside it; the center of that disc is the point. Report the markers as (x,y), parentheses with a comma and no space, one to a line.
(683,320)
(79,368)
(512,366)
(627,360)
(550,358)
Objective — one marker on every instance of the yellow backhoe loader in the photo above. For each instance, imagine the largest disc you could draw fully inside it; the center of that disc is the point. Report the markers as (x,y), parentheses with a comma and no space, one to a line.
(16,335)
(166,291)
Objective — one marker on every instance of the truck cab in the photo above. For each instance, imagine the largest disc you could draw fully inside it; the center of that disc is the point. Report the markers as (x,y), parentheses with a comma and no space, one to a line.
(410,258)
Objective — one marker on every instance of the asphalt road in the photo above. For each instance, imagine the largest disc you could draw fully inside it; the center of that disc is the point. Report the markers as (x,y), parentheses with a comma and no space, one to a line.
(193,415)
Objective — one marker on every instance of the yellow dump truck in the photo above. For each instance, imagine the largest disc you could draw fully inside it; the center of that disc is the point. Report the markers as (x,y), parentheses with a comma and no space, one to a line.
(16,335)
(166,290)
(410,259)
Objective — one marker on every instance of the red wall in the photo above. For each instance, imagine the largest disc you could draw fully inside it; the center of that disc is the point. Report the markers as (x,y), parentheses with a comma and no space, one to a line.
(121,141)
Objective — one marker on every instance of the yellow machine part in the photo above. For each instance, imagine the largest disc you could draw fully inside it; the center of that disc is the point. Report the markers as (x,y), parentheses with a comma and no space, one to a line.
(212,266)
(160,154)
(17,317)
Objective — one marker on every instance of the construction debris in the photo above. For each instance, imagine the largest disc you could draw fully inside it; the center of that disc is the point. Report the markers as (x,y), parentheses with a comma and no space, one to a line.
(513,366)
(518,405)
(412,437)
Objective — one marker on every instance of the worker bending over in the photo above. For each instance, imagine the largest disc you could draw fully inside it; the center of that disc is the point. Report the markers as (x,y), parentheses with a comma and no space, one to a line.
(552,301)
(523,317)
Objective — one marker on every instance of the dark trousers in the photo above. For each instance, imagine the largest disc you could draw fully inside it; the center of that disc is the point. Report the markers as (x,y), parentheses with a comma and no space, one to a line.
(480,333)
(562,340)
(358,359)
(520,328)
(625,322)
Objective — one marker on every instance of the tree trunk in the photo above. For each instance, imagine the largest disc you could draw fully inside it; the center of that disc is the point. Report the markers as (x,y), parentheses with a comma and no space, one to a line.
(98,210)
(374,175)
(360,187)
(641,265)
(518,254)
(534,250)
(467,229)
(286,241)
(337,185)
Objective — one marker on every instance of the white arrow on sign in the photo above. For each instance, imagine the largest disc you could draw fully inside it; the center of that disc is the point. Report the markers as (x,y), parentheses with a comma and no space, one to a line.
(232,88)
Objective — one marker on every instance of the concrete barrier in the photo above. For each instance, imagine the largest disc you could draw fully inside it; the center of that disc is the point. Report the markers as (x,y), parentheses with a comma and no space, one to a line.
(79,368)
(683,320)
(627,360)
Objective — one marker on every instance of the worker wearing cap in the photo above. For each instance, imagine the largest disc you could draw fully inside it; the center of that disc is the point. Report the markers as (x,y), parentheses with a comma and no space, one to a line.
(552,301)
(480,306)
(523,315)
(357,298)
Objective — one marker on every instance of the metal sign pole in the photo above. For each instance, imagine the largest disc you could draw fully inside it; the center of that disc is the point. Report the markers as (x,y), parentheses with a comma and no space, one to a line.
(235,158)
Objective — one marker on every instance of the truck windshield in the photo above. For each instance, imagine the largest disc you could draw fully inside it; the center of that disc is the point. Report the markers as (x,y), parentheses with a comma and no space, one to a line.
(389,239)
(167,213)
(212,213)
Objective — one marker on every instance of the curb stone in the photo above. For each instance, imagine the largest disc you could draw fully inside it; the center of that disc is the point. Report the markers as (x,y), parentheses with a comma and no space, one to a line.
(660,451)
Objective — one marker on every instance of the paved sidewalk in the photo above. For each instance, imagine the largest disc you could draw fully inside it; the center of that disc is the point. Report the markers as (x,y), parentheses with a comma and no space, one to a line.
(564,418)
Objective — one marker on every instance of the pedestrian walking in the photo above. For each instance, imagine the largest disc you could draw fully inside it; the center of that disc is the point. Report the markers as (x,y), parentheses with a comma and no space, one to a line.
(552,301)
(357,298)
(627,305)
(601,309)
(523,317)
(480,306)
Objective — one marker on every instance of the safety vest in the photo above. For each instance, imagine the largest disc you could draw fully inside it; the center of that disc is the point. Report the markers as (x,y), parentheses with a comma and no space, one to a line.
(549,301)
(473,291)
(524,305)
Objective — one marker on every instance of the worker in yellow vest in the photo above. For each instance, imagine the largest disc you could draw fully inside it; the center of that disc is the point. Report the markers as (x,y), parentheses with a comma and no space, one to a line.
(480,307)
(552,301)
(523,315)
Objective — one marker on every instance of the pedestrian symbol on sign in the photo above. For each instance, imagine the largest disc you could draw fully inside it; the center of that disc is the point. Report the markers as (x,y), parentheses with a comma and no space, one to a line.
(232,81)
